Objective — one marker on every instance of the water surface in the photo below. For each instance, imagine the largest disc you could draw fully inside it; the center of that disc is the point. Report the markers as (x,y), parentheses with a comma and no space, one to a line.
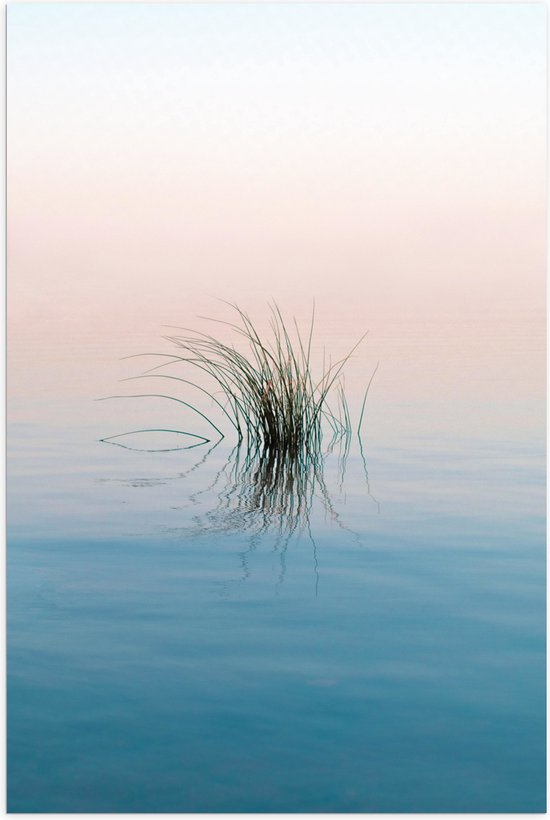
(177,646)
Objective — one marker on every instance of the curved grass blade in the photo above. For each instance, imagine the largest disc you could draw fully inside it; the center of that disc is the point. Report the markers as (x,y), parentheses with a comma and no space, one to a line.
(201,443)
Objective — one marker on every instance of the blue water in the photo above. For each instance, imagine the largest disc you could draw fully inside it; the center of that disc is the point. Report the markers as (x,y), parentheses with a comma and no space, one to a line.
(170,650)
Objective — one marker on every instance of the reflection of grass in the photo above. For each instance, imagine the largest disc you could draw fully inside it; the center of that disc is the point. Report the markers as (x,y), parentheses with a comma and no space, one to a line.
(265,493)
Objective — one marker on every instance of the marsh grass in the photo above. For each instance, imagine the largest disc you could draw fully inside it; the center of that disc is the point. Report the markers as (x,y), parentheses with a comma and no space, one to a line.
(266,390)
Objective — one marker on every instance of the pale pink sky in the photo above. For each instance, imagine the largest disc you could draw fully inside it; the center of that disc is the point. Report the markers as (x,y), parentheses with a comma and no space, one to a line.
(391,156)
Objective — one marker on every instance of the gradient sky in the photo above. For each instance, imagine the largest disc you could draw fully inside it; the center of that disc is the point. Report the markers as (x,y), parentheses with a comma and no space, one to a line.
(392,154)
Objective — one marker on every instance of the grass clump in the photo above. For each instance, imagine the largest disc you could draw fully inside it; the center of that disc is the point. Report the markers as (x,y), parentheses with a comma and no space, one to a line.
(266,389)
(269,392)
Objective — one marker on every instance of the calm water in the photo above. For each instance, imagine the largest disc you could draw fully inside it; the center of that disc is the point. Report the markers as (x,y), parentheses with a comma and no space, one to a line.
(179,643)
